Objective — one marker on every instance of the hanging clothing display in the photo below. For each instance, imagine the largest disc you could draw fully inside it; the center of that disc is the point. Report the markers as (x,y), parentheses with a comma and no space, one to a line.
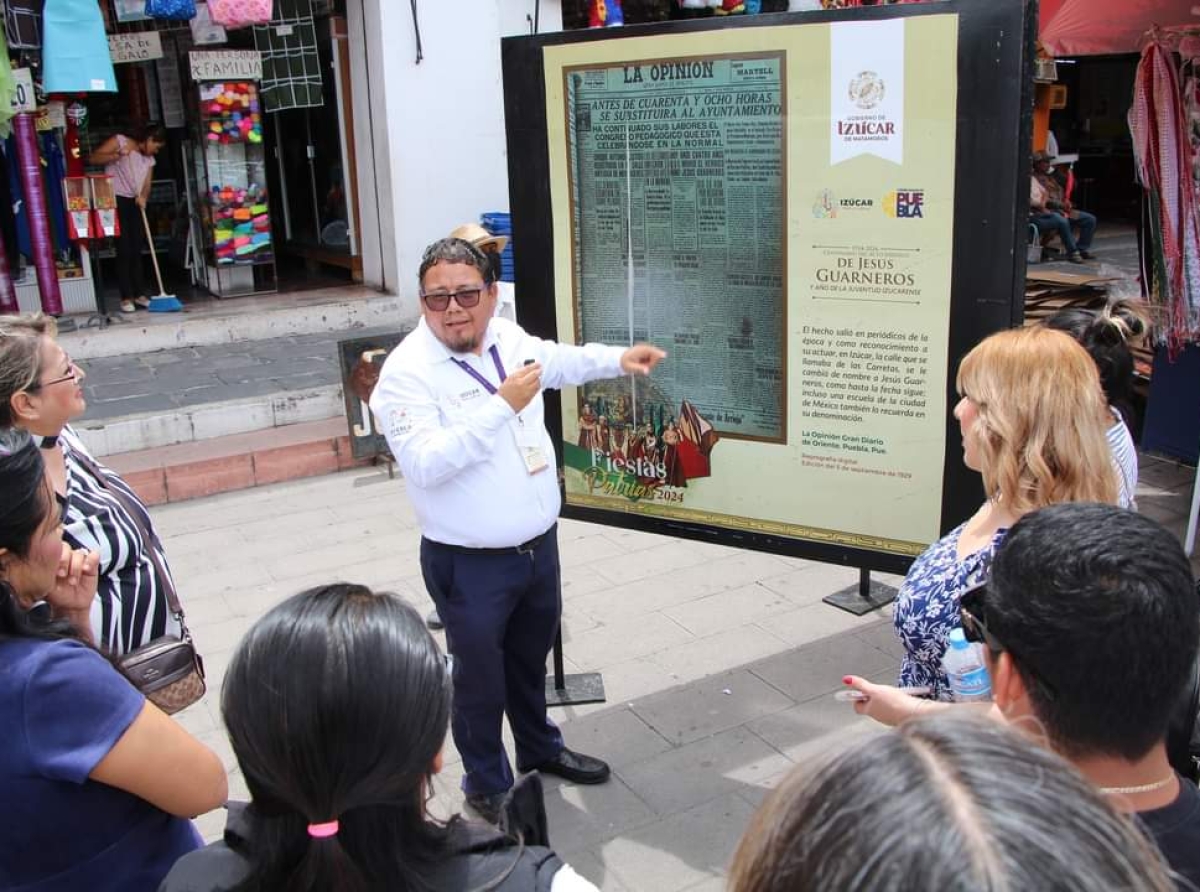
(290,65)
(8,89)
(1163,158)
(8,208)
(54,170)
(34,187)
(23,24)
(24,245)
(76,58)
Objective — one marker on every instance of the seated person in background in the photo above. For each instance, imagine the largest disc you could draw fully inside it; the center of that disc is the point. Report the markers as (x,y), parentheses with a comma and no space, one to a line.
(337,704)
(949,802)
(96,783)
(1091,624)
(1106,334)
(1051,211)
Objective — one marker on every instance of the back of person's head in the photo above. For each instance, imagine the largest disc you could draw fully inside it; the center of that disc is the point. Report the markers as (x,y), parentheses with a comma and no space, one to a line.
(456,250)
(337,703)
(150,130)
(1098,610)
(950,802)
(21,356)
(1041,419)
(1106,335)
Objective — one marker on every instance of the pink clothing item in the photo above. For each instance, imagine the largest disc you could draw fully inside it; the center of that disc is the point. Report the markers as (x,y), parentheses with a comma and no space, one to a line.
(129,171)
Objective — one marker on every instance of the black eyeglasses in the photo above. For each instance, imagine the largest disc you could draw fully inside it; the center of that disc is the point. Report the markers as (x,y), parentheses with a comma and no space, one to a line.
(71,375)
(439,300)
(973,616)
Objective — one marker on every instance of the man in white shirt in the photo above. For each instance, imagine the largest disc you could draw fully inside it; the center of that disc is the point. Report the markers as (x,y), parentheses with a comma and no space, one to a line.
(460,403)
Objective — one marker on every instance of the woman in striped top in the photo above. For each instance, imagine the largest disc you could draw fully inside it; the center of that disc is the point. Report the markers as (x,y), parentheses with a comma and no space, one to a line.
(1106,335)
(40,392)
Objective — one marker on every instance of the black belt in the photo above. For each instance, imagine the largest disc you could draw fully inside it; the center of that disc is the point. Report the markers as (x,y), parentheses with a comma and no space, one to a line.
(523,548)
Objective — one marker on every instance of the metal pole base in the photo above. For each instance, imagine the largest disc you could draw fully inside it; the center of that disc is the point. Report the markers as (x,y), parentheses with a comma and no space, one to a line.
(586,687)
(864,597)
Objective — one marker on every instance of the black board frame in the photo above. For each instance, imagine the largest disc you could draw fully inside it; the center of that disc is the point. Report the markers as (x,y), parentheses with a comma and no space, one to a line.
(994,131)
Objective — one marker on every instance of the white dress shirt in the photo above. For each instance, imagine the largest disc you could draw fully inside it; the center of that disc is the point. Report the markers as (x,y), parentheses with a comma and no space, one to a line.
(457,444)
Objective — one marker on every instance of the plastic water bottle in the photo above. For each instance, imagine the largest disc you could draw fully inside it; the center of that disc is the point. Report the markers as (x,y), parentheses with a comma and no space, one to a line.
(967,674)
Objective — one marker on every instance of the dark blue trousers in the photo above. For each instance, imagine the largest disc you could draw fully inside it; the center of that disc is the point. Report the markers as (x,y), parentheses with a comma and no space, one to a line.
(501,612)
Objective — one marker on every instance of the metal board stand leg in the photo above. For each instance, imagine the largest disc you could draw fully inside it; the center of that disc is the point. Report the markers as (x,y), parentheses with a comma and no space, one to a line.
(1189,540)
(864,597)
(101,319)
(572,690)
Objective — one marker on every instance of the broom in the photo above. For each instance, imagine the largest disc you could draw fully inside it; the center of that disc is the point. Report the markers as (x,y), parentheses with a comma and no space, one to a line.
(161,302)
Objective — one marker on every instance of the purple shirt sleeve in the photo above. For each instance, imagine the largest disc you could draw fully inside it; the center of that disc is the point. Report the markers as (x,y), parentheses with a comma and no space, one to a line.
(77,706)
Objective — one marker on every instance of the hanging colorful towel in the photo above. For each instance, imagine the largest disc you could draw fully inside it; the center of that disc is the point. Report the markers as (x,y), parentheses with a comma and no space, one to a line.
(75,54)
(171,10)
(240,13)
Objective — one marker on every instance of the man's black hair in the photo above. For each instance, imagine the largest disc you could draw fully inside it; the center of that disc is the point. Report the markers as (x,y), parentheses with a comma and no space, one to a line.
(1100,603)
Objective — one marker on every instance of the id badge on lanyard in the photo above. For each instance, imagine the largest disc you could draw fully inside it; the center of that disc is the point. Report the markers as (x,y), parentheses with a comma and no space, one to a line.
(527,436)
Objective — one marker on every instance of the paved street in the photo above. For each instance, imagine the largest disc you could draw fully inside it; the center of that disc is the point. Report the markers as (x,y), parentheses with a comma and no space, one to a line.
(190,376)
(718,663)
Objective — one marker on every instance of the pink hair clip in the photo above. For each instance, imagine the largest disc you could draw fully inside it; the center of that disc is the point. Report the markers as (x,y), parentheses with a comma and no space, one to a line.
(323,831)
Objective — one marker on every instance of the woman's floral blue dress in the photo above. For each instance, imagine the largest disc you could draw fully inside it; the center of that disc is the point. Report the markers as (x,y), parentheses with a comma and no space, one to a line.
(927,607)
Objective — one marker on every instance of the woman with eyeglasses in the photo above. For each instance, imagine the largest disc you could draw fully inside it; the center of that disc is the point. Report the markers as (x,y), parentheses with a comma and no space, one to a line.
(41,392)
(337,704)
(96,784)
(1032,416)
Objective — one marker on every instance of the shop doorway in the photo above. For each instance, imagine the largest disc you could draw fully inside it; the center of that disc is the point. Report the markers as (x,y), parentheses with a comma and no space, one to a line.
(312,174)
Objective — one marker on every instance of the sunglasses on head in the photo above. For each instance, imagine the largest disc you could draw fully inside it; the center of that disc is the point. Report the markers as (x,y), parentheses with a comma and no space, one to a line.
(439,300)
(973,617)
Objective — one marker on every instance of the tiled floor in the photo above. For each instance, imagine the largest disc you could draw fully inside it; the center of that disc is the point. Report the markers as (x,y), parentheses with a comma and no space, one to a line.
(718,663)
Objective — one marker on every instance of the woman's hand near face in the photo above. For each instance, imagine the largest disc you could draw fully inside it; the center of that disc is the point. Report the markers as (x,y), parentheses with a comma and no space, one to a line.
(75,587)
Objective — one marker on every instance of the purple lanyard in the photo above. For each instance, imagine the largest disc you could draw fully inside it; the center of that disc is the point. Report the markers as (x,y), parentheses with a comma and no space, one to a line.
(488,386)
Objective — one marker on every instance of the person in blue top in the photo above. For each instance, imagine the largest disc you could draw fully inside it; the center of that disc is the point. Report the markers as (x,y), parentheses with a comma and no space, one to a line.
(96,783)
(1032,416)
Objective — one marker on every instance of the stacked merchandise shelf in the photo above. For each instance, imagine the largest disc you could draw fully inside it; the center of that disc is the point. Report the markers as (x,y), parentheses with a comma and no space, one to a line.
(238,216)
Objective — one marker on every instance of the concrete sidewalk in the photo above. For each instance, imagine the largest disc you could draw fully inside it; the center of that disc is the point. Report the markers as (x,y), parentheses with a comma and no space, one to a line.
(718,663)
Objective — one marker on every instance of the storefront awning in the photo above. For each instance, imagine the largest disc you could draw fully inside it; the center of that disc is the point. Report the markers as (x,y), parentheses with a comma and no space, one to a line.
(1097,27)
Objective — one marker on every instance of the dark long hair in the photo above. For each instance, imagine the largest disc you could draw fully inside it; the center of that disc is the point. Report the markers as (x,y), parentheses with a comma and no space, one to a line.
(1106,334)
(337,702)
(25,503)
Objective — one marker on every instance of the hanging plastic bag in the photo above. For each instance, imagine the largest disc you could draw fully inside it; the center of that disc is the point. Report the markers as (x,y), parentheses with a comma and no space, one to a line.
(240,13)
(171,10)
(204,30)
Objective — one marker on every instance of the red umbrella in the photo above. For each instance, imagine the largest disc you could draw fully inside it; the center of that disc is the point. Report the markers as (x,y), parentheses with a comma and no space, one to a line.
(1096,27)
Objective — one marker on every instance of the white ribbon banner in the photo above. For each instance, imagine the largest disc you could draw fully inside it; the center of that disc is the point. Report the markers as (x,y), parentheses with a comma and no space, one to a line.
(867,90)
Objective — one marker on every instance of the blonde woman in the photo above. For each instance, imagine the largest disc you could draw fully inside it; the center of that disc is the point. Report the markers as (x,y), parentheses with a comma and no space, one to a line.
(1032,416)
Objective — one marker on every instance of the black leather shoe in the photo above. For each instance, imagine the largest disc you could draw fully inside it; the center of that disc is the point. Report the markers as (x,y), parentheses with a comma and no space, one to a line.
(1087,255)
(488,806)
(576,767)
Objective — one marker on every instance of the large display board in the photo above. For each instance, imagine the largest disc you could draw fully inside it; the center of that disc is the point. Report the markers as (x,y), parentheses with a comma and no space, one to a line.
(783,206)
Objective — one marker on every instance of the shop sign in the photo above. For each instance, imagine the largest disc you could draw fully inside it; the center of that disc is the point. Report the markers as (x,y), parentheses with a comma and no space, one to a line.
(130,10)
(219,65)
(52,116)
(23,98)
(138,47)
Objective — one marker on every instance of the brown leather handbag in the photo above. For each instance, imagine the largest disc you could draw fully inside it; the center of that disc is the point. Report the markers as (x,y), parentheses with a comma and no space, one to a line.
(168,670)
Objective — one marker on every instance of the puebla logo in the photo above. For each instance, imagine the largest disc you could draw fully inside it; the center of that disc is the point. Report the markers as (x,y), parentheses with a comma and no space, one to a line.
(866,90)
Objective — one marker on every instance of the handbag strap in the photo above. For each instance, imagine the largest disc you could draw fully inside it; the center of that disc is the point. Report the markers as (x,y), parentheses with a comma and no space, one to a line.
(135,514)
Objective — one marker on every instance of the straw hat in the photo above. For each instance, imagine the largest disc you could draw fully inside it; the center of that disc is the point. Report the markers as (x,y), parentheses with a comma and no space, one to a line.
(479,237)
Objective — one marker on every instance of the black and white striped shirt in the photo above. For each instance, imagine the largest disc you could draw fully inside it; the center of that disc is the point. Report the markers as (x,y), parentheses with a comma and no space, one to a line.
(131,606)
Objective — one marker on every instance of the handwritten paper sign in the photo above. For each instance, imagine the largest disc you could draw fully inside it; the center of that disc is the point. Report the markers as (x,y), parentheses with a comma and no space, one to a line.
(141,47)
(221,65)
(23,99)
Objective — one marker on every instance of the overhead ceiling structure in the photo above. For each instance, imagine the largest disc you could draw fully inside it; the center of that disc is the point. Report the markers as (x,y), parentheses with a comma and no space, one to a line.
(1100,27)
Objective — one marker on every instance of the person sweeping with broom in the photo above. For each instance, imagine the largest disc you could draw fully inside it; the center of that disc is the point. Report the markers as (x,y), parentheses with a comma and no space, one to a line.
(129,160)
